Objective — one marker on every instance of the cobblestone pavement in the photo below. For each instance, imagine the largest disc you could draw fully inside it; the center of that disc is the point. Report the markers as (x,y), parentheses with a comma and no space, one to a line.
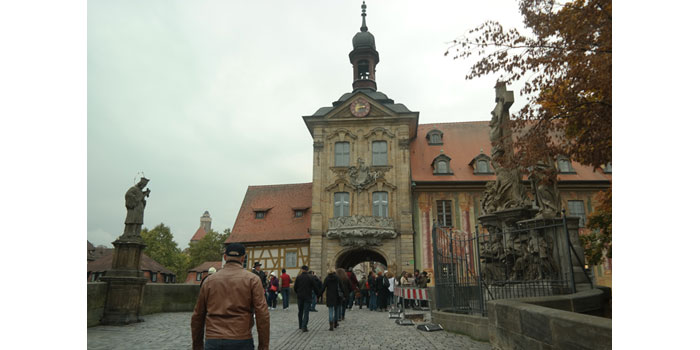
(362,329)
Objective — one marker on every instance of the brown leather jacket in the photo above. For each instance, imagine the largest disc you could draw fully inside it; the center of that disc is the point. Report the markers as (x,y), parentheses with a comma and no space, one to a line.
(226,301)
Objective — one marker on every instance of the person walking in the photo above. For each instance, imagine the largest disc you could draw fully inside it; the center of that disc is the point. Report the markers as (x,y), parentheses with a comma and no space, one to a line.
(331,286)
(346,290)
(382,290)
(372,280)
(314,297)
(226,303)
(272,289)
(303,286)
(392,285)
(284,289)
(364,292)
(257,269)
(353,288)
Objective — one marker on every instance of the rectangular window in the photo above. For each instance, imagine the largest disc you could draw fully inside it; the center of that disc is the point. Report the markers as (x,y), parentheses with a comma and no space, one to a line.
(259,214)
(342,154)
(290,259)
(154,276)
(298,213)
(444,213)
(341,204)
(380,204)
(576,209)
(379,150)
(199,276)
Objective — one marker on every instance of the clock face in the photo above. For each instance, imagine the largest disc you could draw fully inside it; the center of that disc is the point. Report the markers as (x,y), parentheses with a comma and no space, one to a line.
(359,108)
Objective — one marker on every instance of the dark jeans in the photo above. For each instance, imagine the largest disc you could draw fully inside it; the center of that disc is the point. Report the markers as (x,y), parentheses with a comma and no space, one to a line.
(304,305)
(229,344)
(313,300)
(271,299)
(364,299)
(285,297)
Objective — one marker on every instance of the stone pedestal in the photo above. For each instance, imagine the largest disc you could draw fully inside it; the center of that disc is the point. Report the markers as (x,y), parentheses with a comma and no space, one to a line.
(125,282)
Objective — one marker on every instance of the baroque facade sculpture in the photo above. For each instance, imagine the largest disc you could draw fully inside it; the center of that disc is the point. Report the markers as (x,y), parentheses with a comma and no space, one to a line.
(544,184)
(360,230)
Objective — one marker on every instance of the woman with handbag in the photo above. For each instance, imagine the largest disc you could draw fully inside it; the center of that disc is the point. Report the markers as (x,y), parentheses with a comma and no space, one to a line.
(272,289)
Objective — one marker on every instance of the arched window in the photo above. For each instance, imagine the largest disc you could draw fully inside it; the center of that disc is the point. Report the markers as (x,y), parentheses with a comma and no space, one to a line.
(434,137)
(363,69)
(564,165)
(441,165)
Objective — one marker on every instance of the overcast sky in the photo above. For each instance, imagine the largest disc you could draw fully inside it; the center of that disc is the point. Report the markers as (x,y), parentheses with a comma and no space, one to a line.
(207,97)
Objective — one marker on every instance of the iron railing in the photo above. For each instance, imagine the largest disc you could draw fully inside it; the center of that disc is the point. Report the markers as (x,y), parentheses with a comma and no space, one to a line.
(473,268)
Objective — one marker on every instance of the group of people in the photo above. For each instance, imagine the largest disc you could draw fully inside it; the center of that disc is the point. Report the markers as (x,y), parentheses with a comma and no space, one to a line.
(233,300)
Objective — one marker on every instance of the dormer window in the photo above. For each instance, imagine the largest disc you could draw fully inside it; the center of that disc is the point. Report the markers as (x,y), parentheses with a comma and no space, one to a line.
(441,165)
(481,164)
(259,214)
(298,213)
(434,137)
(564,166)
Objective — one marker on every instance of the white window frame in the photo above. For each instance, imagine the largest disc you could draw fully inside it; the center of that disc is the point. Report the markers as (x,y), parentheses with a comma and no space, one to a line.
(380,157)
(342,156)
(380,204)
(341,204)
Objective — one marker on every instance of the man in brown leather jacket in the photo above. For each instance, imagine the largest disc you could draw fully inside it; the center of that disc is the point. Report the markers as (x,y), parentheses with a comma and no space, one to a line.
(226,302)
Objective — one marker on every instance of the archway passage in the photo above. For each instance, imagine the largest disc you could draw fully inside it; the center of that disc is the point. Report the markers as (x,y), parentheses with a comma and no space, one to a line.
(353,257)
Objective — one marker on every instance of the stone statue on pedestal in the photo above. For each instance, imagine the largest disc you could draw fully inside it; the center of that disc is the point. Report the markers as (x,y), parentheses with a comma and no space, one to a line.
(135,199)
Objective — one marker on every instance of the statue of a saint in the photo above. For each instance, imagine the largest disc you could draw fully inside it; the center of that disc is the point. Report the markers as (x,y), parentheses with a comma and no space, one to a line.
(135,199)
(544,183)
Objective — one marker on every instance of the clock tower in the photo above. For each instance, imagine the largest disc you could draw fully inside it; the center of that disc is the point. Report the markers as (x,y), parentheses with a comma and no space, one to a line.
(361,192)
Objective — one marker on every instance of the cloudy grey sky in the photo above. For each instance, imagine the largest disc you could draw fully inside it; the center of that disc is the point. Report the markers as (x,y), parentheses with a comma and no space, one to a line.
(206,97)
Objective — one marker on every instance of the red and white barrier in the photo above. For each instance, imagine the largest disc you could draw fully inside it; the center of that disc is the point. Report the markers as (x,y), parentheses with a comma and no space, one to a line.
(412,293)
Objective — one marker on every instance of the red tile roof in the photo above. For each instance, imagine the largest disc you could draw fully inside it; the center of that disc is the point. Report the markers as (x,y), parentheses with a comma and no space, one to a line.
(204,267)
(279,224)
(462,142)
(147,264)
(199,235)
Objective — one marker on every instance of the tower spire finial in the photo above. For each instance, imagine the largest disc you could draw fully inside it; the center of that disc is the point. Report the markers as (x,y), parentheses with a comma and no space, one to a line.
(364,24)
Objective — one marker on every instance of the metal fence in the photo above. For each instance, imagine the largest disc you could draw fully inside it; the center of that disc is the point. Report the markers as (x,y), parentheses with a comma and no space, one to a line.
(472,268)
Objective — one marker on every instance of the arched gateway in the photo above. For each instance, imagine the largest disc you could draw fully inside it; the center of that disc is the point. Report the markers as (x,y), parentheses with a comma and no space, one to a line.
(351,257)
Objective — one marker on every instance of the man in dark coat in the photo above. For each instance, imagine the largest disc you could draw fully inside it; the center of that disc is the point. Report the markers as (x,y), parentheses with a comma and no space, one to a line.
(382,291)
(303,285)
(314,296)
(353,288)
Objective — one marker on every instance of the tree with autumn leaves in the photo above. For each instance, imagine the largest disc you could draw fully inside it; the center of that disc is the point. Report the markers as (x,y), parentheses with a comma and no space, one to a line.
(566,66)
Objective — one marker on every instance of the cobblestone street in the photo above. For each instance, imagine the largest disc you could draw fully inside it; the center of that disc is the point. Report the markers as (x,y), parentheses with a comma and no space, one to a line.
(362,329)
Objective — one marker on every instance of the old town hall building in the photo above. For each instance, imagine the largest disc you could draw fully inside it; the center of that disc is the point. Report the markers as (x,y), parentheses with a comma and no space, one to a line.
(380,182)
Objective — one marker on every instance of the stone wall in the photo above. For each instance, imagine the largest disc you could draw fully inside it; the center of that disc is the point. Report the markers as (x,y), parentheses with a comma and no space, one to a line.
(96,298)
(476,327)
(557,322)
(168,298)
(157,298)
